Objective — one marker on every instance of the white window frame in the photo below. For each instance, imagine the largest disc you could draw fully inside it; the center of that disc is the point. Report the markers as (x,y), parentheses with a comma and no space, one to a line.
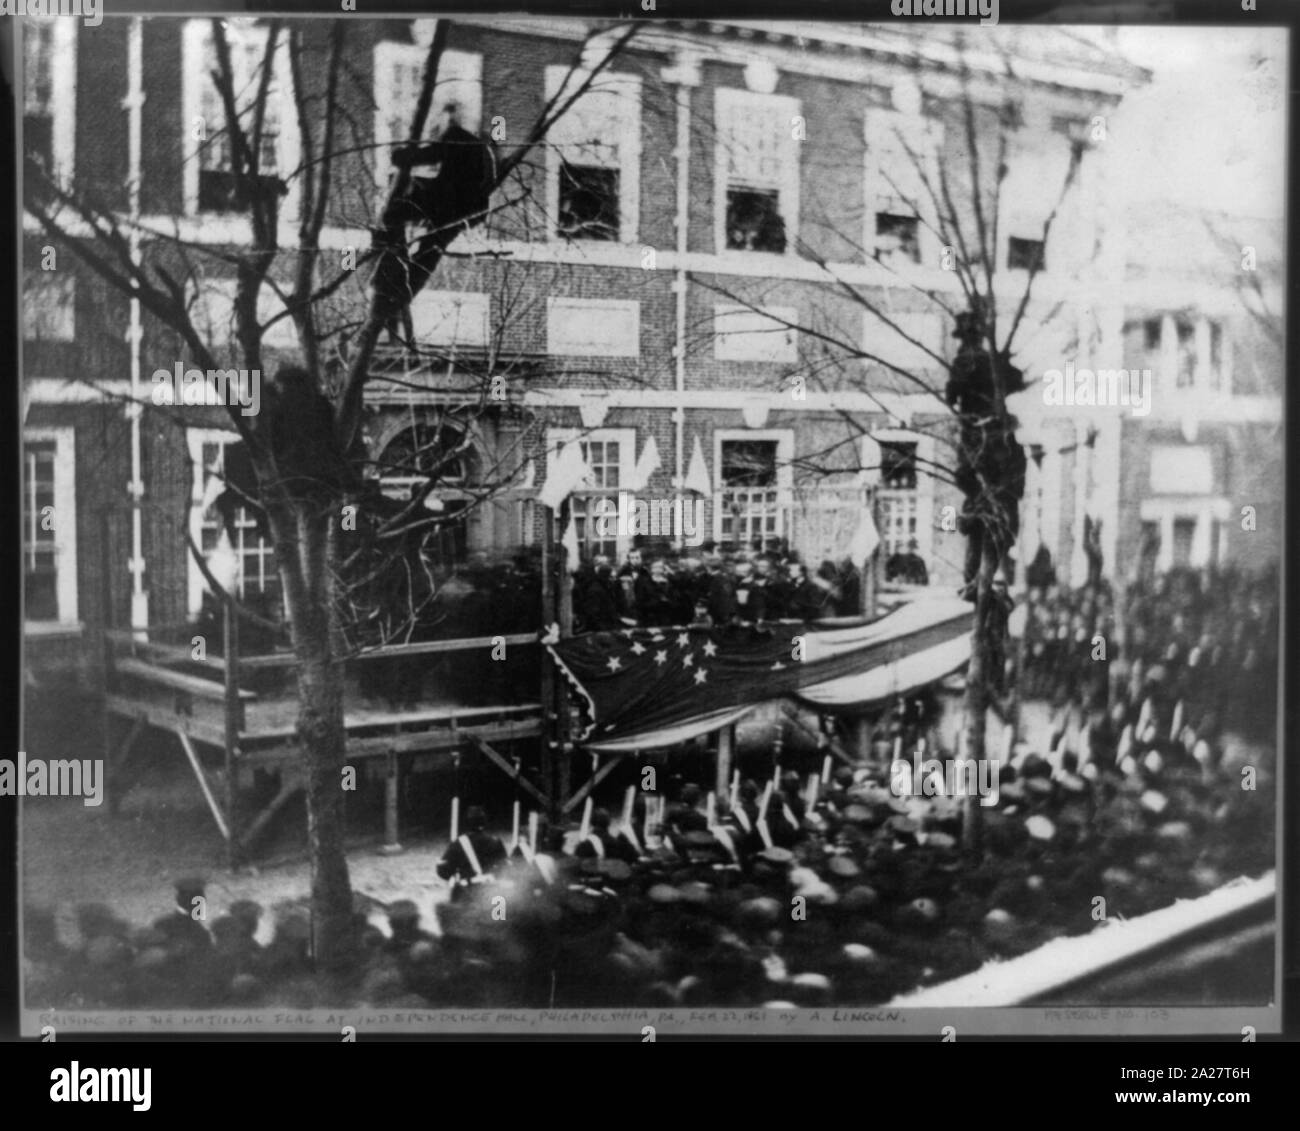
(884,133)
(626,88)
(196,42)
(460,77)
(592,307)
(784,438)
(925,447)
(1016,217)
(195,438)
(780,345)
(63,94)
(65,521)
(728,101)
(626,439)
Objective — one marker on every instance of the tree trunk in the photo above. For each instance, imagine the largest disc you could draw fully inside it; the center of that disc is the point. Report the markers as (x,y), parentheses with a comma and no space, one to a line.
(322,739)
(983,655)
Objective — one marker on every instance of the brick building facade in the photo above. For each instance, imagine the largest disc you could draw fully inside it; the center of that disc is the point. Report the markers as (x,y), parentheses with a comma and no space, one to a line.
(679,261)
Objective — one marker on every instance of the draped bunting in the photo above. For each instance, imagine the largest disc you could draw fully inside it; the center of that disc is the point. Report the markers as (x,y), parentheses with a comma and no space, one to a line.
(647,687)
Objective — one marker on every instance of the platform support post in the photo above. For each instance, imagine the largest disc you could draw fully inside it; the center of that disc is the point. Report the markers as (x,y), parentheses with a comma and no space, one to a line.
(234,724)
(726,750)
(392,790)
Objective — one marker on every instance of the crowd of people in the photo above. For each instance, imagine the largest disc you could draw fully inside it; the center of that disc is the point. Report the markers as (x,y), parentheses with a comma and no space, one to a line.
(792,888)
(799,893)
(662,589)
(1203,643)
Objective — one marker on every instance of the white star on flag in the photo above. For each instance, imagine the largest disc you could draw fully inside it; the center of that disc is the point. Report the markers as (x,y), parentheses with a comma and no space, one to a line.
(701,676)
(710,648)
(661,657)
(614,664)
(776,667)
(684,640)
(638,648)
(687,660)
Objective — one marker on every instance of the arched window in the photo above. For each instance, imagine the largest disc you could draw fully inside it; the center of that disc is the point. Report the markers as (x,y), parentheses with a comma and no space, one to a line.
(440,451)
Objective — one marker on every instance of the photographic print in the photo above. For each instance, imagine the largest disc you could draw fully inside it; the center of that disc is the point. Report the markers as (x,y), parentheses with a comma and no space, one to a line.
(649,526)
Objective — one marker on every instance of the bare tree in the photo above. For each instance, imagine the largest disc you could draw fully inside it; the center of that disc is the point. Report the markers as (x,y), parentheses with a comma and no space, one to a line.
(304,446)
(958,196)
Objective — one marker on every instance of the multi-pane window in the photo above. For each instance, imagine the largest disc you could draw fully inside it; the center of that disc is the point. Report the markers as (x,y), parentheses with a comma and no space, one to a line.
(604,458)
(900,161)
(399,73)
(218,511)
(593,156)
(758,170)
(38,91)
(1191,348)
(899,501)
(588,202)
(211,160)
(49,537)
(441,452)
(40,549)
(750,500)
(219,188)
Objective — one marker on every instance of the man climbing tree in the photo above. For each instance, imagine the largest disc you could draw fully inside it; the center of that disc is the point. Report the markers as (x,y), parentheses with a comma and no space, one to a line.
(455,197)
(991,463)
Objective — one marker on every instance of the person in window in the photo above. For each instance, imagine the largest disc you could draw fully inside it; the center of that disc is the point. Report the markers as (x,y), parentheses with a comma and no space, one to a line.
(754,223)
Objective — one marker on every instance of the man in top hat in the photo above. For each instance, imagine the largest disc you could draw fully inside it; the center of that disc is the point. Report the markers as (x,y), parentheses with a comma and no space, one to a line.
(474,857)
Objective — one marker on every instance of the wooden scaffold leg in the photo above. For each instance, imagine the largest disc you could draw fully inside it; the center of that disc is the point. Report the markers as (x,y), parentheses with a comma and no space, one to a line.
(392,782)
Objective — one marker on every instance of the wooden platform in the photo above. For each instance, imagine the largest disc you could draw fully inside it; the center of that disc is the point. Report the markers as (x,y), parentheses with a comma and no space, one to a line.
(243,709)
